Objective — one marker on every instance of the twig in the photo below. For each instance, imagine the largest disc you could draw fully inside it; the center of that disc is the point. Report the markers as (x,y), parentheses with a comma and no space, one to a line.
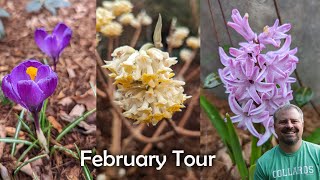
(116,134)
(193,74)
(110,48)
(188,112)
(135,37)
(187,64)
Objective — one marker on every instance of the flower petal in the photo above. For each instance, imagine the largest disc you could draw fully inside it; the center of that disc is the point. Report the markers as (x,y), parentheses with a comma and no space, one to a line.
(39,37)
(48,85)
(31,95)
(8,90)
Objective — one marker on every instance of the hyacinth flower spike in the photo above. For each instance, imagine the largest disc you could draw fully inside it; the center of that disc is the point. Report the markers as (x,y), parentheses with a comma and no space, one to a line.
(29,84)
(53,44)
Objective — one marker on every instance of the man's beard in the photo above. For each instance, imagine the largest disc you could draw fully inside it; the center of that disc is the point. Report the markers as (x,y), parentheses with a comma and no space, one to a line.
(290,140)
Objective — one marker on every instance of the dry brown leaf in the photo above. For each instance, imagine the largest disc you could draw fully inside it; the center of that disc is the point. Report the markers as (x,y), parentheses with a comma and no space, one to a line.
(77,111)
(27,169)
(55,123)
(2,135)
(11,131)
(71,73)
(88,99)
(4,173)
(88,128)
(74,173)
(65,101)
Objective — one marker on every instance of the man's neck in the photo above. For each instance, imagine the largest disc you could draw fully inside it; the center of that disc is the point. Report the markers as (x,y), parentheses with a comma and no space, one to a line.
(290,148)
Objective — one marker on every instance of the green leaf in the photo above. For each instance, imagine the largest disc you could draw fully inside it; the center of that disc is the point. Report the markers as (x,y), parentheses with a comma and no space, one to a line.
(226,48)
(29,161)
(16,134)
(217,122)
(236,149)
(314,137)
(34,144)
(4,13)
(11,140)
(61,148)
(85,168)
(251,171)
(303,95)
(34,6)
(74,124)
(212,81)
(255,150)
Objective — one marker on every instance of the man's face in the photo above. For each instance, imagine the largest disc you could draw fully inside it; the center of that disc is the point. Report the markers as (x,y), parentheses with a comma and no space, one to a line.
(289,126)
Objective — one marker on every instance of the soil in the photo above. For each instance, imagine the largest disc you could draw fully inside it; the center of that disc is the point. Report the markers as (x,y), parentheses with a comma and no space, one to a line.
(76,69)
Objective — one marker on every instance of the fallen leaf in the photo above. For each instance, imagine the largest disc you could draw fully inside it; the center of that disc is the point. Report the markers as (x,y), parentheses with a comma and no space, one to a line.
(11,131)
(4,173)
(55,123)
(88,99)
(89,129)
(71,73)
(77,111)
(65,101)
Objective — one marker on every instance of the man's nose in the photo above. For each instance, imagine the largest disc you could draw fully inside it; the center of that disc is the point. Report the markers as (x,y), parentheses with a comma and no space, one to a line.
(289,124)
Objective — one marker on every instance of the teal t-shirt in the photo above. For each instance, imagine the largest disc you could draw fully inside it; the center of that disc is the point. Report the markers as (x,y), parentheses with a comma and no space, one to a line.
(302,164)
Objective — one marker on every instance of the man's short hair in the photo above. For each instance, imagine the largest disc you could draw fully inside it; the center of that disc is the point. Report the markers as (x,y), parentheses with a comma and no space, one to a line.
(287,107)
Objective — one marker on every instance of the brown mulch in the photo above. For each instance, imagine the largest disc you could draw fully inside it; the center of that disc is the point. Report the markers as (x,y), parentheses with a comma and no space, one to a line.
(76,69)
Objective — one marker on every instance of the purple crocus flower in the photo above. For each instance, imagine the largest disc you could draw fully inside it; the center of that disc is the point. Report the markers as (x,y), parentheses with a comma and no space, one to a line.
(258,83)
(53,44)
(29,84)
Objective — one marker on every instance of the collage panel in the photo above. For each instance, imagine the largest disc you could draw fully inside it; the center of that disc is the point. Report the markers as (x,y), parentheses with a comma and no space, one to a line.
(259,73)
(47,96)
(148,88)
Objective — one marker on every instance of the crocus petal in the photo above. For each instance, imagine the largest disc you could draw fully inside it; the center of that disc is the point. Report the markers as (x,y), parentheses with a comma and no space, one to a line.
(59,30)
(8,90)
(39,36)
(66,39)
(52,44)
(30,94)
(44,71)
(48,85)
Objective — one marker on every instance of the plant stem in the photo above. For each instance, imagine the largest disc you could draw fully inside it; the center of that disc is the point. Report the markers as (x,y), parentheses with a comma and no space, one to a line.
(40,135)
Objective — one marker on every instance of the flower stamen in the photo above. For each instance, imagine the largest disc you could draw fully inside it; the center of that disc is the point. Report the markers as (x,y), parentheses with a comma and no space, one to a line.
(32,72)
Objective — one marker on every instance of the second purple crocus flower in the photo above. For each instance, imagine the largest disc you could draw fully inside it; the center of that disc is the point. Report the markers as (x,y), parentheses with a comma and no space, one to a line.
(53,44)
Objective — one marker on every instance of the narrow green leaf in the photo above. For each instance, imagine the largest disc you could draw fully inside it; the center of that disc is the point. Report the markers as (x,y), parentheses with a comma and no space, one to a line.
(211,81)
(34,144)
(2,31)
(16,134)
(255,150)
(157,40)
(27,128)
(11,140)
(74,124)
(303,95)
(218,123)
(85,168)
(314,137)
(61,148)
(28,161)
(236,149)
(251,171)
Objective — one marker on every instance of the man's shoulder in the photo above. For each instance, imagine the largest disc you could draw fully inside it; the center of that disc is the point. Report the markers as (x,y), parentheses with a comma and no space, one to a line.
(266,156)
(311,145)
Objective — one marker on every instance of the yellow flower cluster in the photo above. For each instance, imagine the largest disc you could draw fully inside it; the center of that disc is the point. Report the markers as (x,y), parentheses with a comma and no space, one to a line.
(114,14)
(176,39)
(147,91)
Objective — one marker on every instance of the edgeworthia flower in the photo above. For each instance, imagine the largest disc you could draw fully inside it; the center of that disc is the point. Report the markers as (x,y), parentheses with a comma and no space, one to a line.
(147,91)
(112,29)
(176,39)
(258,83)
(29,84)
